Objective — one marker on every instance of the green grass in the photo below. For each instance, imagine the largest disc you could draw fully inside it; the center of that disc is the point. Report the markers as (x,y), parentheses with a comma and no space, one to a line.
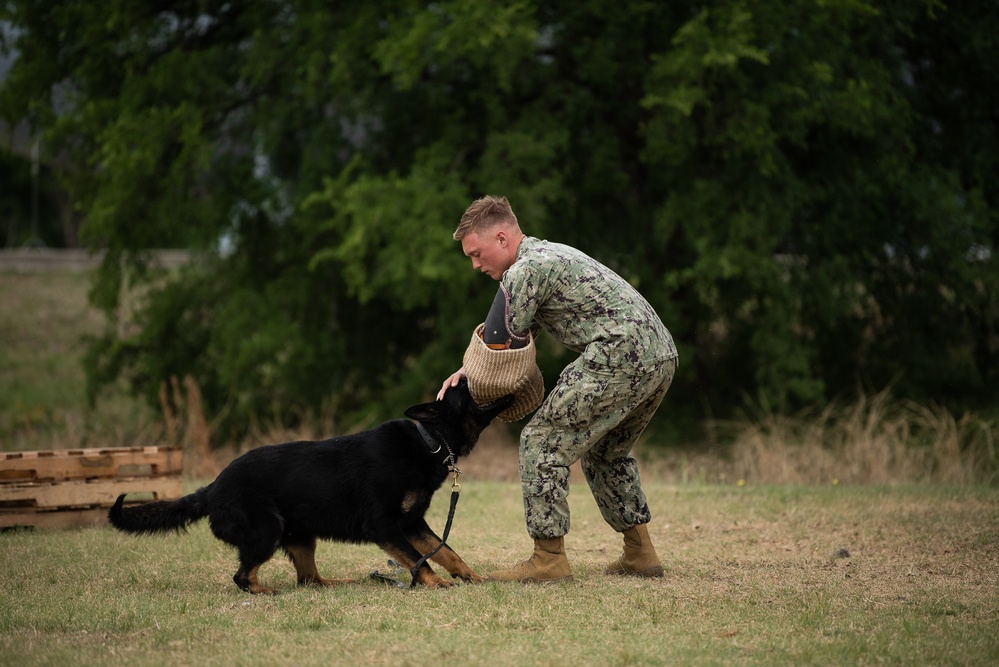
(754,576)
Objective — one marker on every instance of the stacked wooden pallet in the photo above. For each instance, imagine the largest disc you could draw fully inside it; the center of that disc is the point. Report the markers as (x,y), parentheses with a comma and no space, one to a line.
(74,487)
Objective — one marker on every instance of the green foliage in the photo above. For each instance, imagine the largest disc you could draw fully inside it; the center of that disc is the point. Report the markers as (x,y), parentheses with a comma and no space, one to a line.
(378,221)
(15,211)
(791,184)
(28,213)
(817,241)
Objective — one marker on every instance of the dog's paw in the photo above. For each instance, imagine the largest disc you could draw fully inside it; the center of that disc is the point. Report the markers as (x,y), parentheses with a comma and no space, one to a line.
(435,582)
(259,589)
(472,578)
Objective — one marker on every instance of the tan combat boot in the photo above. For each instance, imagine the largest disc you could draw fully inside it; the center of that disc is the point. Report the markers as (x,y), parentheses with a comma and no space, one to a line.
(548,563)
(639,558)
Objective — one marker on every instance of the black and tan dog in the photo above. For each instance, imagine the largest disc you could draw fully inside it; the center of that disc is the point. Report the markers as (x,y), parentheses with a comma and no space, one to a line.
(372,487)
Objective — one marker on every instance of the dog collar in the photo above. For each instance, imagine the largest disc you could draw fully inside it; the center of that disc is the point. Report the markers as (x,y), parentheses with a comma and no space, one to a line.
(428,438)
(434,444)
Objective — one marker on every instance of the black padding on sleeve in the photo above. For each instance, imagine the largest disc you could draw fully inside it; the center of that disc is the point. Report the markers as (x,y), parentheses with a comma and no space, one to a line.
(495,332)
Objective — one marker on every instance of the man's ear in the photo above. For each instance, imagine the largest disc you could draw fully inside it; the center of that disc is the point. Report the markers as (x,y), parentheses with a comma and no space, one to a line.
(423,412)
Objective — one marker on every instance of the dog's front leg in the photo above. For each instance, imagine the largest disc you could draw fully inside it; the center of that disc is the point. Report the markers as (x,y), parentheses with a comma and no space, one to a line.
(424,539)
(406,555)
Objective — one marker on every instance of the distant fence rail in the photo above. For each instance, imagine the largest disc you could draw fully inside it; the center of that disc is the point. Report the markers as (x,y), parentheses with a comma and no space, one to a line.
(39,260)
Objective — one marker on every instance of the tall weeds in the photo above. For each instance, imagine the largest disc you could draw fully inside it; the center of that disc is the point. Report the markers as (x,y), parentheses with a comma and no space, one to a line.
(874,441)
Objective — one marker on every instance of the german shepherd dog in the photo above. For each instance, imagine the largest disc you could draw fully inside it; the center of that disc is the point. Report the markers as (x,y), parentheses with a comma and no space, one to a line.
(369,487)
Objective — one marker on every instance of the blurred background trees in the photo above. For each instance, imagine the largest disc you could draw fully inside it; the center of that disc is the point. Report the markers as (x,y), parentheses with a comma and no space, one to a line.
(805,191)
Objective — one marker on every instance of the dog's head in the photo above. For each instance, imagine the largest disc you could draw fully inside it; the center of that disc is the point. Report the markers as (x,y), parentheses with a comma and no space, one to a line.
(458,418)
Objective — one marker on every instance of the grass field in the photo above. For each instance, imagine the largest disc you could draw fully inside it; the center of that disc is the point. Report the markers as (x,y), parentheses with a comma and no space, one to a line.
(754,576)
(860,535)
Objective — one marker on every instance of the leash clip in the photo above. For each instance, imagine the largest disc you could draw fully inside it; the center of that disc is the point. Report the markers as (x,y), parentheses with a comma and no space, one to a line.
(455,486)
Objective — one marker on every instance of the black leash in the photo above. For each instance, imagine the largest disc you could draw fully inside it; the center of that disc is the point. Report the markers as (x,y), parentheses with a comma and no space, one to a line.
(455,490)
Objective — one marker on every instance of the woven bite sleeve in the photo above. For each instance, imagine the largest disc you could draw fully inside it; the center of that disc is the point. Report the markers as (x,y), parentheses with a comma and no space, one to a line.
(493,374)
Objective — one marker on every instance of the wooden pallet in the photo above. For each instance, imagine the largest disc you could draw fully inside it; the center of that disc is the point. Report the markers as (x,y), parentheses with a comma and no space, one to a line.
(73,487)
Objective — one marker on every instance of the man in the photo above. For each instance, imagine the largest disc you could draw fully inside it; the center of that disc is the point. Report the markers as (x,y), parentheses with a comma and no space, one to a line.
(601,402)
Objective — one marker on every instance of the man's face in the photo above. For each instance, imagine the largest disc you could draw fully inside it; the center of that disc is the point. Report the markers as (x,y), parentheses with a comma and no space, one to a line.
(490,252)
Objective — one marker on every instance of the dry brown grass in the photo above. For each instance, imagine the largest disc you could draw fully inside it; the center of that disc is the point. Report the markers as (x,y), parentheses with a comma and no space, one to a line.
(876,440)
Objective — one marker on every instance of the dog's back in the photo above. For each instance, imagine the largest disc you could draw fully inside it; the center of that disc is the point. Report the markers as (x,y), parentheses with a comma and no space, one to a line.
(333,489)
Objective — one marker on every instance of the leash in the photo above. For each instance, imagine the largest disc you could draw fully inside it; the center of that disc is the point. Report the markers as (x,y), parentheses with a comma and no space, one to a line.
(455,491)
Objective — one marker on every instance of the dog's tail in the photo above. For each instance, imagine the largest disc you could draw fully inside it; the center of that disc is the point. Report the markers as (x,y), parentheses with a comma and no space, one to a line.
(161,516)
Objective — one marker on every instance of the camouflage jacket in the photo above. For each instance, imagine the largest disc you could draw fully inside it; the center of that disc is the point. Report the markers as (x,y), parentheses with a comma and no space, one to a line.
(584,305)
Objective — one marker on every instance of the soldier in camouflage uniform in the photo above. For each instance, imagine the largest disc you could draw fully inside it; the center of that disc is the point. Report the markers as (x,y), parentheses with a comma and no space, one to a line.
(601,402)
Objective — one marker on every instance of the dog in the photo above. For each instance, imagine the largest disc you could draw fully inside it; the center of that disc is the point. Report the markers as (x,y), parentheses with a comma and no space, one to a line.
(369,487)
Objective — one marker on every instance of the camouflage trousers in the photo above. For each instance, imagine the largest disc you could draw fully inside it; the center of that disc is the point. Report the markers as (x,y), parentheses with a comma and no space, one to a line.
(593,415)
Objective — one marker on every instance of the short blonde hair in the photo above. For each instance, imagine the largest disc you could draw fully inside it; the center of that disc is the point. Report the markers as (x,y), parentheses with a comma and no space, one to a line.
(484,213)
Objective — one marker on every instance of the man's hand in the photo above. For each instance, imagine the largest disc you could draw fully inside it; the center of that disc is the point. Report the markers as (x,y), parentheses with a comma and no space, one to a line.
(452,381)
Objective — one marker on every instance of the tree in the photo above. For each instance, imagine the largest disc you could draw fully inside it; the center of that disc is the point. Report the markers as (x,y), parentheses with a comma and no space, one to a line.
(828,250)
(769,174)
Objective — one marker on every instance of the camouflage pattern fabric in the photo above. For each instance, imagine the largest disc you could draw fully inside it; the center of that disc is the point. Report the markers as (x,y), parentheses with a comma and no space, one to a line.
(584,305)
(594,416)
(603,400)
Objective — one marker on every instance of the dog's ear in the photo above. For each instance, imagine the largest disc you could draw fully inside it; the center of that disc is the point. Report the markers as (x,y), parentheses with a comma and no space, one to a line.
(423,412)
(455,399)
